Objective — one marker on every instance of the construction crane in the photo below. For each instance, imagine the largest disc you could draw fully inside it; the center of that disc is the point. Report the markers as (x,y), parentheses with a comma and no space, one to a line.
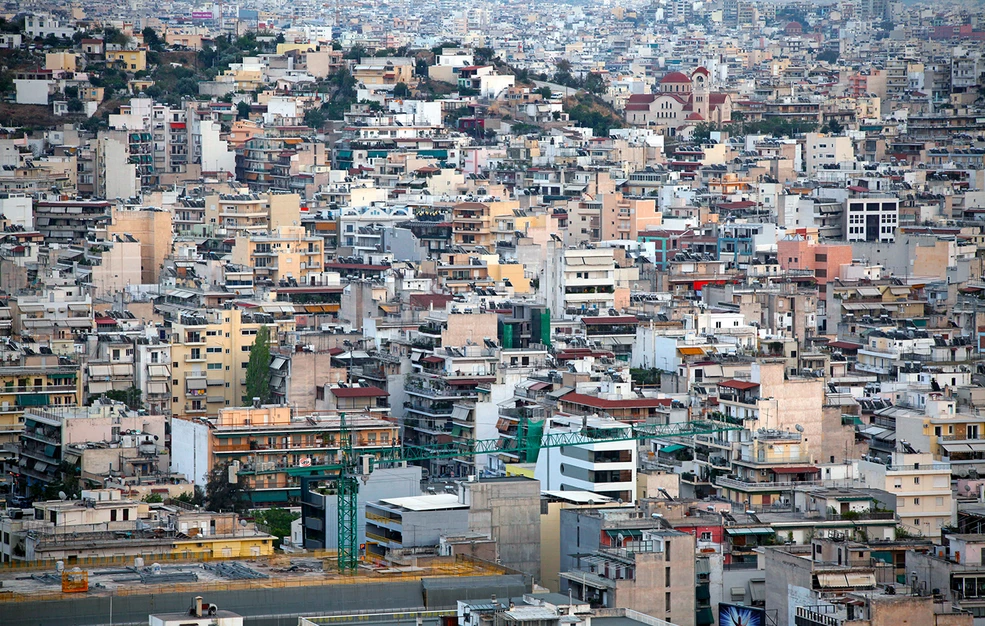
(345,474)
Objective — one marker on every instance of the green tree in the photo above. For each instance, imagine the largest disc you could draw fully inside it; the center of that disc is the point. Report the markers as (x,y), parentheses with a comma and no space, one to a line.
(223,495)
(278,522)
(401,90)
(130,397)
(152,39)
(545,92)
(71,91)
(242,111)
(594,83)
(115,36)
(196,497)
(258,368)
(75,106)
(314,118)
(153,498)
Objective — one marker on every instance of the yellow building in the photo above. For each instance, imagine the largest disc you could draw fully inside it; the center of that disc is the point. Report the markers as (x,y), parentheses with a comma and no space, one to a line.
(152,228)
(477,224)
(251,213)
(210,351)
(60,61)
(288,254)
(130,60)
(34,380)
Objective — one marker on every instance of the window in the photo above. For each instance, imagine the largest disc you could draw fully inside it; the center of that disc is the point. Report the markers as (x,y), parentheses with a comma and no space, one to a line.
(667,601)
(939,502)
(972,431)
(916,501)
(916,480)
(215,366)
(667,576)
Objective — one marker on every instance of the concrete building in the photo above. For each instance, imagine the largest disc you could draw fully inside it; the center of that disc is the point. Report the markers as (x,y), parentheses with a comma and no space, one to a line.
(922,486)
(209,354)
(257,213)
(607,468)
(580,281)
(152,228)
(287,255)
(823,151)
(654,574)
(270,447)
(396,524)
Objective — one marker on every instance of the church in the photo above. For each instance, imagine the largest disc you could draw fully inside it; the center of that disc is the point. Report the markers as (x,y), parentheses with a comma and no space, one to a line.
(682,101)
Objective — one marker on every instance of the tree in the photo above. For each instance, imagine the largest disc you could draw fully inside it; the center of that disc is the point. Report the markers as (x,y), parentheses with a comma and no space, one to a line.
(314,118)
(258,368)
(545,92)
(222,495)
(278,522)
(594,83)
(153,498)
(421,67)
(401,90)
(151,39)
(242,111)
(71,91)
(75,106)
(130,397)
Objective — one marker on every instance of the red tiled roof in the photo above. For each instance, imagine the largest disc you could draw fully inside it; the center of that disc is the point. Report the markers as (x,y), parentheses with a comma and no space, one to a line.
(844,345)
(601,403)
(738,384)
(358,392)
(675,77)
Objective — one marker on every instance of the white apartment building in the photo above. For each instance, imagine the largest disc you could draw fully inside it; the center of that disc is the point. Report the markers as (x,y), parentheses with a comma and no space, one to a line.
(607,467)
(822,150)
(871,219)
(579,281)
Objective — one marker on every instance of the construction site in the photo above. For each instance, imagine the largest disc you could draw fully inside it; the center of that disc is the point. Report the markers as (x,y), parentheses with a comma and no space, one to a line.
(270,591)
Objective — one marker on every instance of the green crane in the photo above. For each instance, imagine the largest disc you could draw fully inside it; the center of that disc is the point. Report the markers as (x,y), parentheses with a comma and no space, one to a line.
(345,473)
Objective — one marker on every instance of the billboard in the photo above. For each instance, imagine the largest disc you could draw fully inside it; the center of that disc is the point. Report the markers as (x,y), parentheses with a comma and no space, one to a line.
(735,615)
(201,15)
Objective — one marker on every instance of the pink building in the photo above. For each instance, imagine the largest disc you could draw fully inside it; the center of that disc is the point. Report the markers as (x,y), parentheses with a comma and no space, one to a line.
(801,251)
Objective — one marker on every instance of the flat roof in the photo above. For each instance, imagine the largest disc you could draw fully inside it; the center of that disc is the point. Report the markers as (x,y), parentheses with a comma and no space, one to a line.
(578,497)
(434,502)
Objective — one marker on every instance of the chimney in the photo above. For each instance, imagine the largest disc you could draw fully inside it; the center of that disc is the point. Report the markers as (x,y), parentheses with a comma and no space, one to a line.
(198,606)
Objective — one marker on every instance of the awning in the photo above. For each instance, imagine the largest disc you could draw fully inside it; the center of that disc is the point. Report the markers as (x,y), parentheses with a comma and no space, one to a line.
(158,371)
(672,448)
(153,387)
(538,386)
(758,530)
(956,446)
(757,590)
(62,375)
(99,371)
(868,292)
(277,362)
(802,469)
(861,580)
(832,580)
(627,533)
(432,359)
(689,351)
(100,386)
(196,383)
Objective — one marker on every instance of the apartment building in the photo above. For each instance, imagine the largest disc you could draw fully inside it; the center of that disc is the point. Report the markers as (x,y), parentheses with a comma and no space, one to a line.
(286,255)
(823,151)
(152,228)
(54,318)
(871,218)
(210,351)
(650,571)
(802,251)
(922,486)
(153,374)
(69,221)
(49,431)
(31,380)
(482,224)
(271,446)
(582,281)
(233,215)
(607,468)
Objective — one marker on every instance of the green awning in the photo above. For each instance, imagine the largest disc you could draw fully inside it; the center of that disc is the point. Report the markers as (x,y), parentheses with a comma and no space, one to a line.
(672,448)
(457,431)
(851,420)
(33,399)
(627,533)
(750,531)
(65,375)
(704,617)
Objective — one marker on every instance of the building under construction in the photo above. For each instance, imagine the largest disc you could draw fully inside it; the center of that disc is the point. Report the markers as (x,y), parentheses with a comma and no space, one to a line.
(274,590)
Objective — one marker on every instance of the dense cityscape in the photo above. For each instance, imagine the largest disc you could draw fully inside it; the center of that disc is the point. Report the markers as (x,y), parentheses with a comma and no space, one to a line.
(396,313)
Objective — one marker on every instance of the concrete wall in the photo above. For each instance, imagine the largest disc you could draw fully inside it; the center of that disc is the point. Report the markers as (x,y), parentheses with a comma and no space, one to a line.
(508,510)
(785,572)
(579,535)
(190,450)
(397,482)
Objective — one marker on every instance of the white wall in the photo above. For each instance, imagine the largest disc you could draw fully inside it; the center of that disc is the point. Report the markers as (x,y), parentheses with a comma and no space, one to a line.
(19,210)
(190,450)
(32,91)
(216,155)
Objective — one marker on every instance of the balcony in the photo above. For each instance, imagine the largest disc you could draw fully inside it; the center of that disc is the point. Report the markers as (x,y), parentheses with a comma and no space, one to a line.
(191,358)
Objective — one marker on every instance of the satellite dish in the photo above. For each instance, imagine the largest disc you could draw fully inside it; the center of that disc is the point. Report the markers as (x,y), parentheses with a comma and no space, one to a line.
(799,428)
(62,495)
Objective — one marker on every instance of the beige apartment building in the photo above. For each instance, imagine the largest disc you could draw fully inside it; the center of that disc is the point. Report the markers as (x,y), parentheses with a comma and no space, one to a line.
(922,486)
(288,254)
(476,224)
(55,316)
(210,351)
(151,227)
(251,213)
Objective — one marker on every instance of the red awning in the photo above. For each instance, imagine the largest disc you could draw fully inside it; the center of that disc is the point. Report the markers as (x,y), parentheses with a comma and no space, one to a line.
(802,469)
(433,359)
(539,386)
(177,126)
